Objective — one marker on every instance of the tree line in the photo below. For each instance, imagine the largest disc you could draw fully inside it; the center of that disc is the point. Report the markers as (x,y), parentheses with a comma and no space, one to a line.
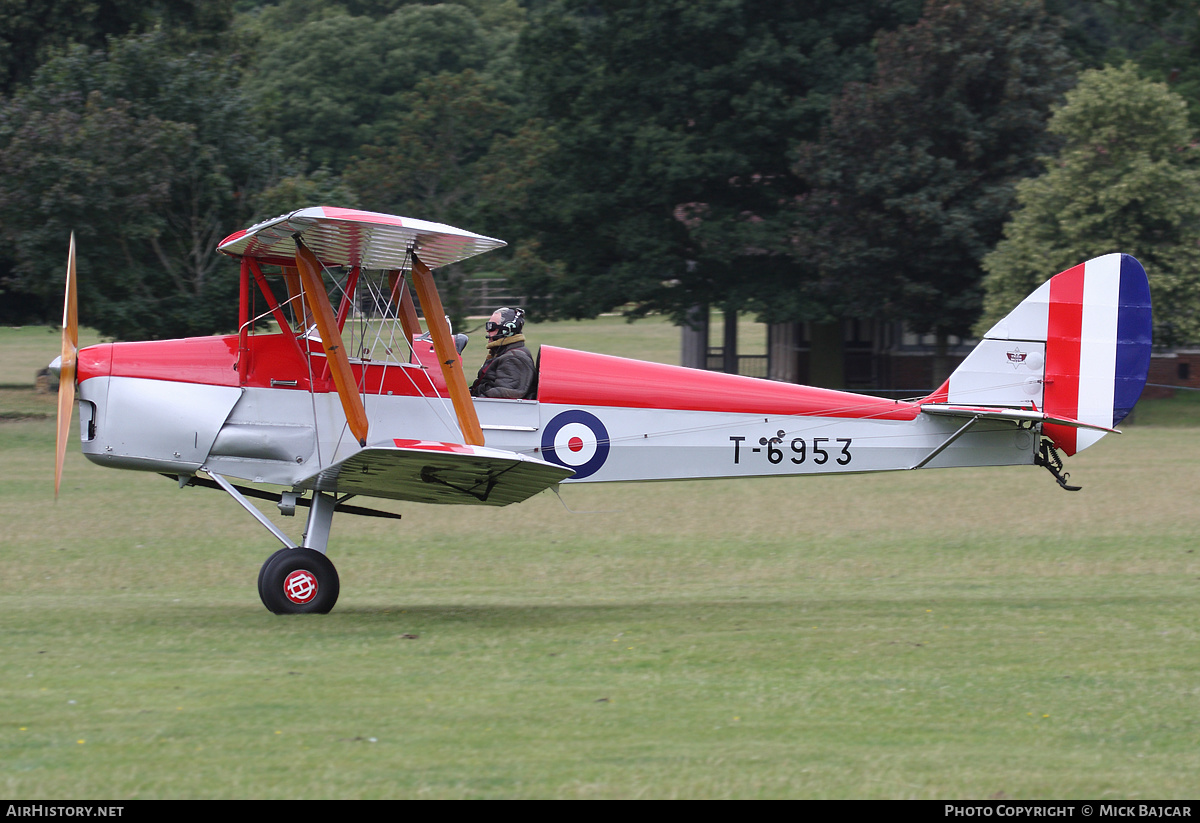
(807,161)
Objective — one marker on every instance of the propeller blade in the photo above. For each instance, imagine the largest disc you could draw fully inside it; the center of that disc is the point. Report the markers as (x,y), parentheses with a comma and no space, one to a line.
(317,301)
(66,374)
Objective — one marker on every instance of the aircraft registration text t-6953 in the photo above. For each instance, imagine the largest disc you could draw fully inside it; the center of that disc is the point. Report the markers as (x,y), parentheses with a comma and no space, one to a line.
(779,447)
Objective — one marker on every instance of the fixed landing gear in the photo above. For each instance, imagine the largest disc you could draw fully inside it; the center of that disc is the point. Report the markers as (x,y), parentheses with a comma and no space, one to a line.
(301,579)
(298,581)
(295,579)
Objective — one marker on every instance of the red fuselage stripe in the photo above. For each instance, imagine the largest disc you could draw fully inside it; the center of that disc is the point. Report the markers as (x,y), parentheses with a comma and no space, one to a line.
(574,378)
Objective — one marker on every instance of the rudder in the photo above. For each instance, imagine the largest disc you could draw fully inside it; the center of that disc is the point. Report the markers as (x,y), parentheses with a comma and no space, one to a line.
(1078,348)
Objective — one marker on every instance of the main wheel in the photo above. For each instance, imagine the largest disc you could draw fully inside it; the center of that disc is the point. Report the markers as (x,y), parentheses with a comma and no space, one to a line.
(263,571)
(298,581)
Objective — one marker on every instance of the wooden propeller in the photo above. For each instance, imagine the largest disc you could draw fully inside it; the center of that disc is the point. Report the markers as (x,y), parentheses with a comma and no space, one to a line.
(66,373)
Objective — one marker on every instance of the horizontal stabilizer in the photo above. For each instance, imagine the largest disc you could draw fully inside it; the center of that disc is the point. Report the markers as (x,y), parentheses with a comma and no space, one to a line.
(1016,415)
(425,471)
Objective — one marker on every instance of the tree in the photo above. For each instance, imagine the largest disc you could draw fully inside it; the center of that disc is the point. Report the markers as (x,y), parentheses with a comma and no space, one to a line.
(149,156)
(914,176)
(32,31)
(299,190)
(428,163)
(671,124)
(1161,36)
(335,82)
(1125,180)
(456,155)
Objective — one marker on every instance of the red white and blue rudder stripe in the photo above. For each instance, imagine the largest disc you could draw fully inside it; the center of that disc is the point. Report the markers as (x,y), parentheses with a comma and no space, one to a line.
(1095,320)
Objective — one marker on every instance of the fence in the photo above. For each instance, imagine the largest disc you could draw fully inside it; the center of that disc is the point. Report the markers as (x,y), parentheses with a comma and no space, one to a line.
(748,365)
(486,294)
(480,296)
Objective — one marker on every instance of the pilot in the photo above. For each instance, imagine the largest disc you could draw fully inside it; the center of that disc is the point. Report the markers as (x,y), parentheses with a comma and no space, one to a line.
(509,368)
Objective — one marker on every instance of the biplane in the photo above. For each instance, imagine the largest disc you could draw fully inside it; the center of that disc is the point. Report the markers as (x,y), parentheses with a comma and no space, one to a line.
(344,395)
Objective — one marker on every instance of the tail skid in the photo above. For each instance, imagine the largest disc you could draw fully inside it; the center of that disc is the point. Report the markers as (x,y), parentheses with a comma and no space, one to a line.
(1048,456)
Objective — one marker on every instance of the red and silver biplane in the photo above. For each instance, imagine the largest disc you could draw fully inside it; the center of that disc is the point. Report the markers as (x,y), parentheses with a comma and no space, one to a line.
(358,400)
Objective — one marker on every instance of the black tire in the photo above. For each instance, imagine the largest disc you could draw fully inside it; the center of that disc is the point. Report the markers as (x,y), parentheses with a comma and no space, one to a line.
(263,571)
(298,581)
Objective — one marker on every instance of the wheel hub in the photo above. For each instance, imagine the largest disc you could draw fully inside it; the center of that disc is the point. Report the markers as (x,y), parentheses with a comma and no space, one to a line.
(300,586)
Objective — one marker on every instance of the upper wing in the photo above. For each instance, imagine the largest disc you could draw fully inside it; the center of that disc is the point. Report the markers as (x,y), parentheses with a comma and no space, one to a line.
(429,472)
(349,237)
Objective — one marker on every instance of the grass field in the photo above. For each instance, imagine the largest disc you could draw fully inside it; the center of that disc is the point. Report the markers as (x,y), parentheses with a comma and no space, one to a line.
(953,634)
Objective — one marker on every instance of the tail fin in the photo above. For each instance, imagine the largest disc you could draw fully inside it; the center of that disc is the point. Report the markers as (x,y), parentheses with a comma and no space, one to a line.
(1077,349)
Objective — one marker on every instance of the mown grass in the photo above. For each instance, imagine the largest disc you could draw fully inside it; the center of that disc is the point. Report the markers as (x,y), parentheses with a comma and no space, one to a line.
(1182,409)
(953,634)
(26,349)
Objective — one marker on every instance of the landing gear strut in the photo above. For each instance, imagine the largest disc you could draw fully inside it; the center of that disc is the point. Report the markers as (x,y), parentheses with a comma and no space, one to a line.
(301,579)
(295,579)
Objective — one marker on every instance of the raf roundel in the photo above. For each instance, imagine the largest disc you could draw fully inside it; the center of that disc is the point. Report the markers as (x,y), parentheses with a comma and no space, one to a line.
(578,440)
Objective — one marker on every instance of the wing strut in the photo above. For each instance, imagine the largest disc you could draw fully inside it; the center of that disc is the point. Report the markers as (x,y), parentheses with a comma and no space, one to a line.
(404,305)
(317,302)
(946,444)
(443,345)
(303,317)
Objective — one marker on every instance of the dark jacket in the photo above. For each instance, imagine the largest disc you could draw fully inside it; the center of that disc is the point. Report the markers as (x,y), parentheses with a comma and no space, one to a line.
(507,373)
